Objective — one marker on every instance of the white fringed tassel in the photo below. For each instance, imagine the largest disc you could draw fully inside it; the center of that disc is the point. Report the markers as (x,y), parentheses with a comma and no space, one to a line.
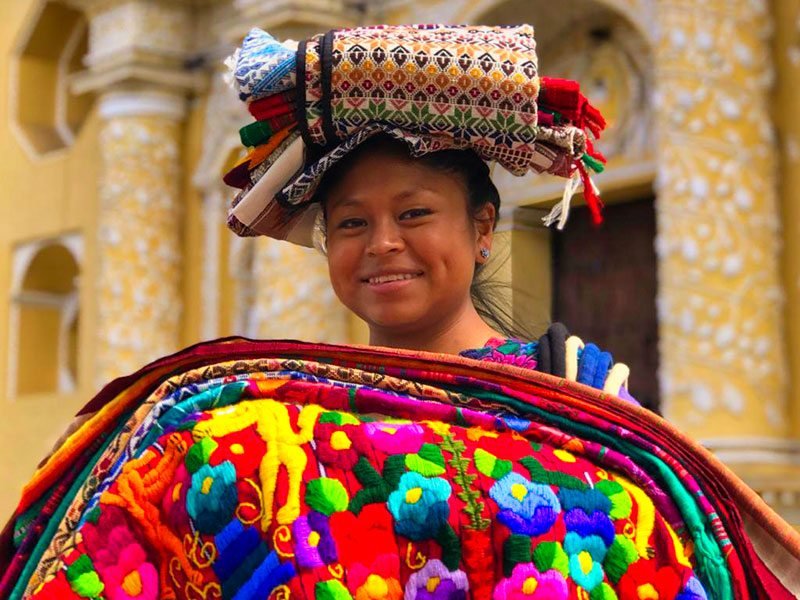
(228,76)
(559,213)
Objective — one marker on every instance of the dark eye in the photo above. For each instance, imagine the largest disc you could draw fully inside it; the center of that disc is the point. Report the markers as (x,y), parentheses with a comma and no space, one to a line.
(415,213)
(351,223)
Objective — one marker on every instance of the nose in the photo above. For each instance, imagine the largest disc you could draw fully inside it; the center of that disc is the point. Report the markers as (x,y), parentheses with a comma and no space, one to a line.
(385,237)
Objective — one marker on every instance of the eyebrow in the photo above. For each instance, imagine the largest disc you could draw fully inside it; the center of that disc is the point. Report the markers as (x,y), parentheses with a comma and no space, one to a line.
(358,202)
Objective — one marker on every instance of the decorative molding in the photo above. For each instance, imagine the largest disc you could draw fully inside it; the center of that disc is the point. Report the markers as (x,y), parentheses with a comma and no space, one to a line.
(754,450)
(141,103)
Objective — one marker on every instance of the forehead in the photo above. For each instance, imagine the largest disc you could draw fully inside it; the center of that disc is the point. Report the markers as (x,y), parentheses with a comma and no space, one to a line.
(385,174)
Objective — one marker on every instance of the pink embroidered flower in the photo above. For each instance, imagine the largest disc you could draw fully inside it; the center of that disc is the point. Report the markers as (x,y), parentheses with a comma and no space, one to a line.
(435,582)
(174,501)
(527,583)
(395,438)
(132,577)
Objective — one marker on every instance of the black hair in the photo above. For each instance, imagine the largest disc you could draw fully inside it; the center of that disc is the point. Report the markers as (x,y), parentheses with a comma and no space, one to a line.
(486,291)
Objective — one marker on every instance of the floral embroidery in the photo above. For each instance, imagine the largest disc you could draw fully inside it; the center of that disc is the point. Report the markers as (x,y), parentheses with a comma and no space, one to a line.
(435,582)
(693,590)
(315,545)
(132,576)
(212,497)
(395,438)
(507,352)
(336,446)
(420,506)
(378,581)
(326,495)
(83,579)
(244,449)
(373,523)
(644,581)
(586,556)
(174,502)
(527,583)
(526,508)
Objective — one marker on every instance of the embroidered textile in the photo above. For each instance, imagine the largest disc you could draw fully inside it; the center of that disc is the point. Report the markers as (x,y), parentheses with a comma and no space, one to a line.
(241,469)
(434,87)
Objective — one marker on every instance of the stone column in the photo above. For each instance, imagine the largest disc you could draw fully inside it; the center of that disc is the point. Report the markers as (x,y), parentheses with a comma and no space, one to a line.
(723,361)
(139,230)
(293,297)
(137,65)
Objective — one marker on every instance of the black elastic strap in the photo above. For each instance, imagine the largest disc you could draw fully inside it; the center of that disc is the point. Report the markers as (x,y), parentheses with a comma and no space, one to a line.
(326,59)
(558,335)
(300,99)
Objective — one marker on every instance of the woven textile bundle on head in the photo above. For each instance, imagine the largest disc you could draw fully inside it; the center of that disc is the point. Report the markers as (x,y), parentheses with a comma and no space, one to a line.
(435,87)
(239,469)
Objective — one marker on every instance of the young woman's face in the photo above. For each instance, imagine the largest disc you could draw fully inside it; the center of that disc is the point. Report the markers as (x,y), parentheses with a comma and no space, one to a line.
(402,245)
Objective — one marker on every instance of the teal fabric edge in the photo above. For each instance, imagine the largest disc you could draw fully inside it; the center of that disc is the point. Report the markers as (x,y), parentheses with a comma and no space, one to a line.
(55,521)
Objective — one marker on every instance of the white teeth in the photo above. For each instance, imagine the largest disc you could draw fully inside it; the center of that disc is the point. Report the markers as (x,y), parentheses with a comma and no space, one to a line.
(387,278)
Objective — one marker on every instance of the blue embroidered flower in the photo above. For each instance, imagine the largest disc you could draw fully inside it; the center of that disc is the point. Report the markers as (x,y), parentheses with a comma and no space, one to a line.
(212,498)
(693,590)
(598,524)
(586,556)
(419,506)
(526,508)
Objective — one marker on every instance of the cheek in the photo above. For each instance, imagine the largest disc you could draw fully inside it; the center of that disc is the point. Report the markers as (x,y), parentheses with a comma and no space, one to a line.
(342,264)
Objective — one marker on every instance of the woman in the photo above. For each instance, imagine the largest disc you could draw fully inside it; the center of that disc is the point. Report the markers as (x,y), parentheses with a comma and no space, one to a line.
(242,469)
(406,239)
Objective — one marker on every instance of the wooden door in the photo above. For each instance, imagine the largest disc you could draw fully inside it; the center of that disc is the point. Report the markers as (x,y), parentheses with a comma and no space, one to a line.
(604,288)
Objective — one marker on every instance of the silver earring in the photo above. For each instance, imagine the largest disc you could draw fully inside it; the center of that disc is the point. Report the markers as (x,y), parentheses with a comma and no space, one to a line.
(485,253)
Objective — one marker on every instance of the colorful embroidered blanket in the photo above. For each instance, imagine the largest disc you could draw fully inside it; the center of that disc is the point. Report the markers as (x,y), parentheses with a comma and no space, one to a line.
(240,469)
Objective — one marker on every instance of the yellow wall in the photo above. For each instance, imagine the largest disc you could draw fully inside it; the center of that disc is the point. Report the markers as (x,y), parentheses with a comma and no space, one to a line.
(41,198)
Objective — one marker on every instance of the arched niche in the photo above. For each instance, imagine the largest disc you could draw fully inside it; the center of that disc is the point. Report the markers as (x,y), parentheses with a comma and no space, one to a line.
(44,317)
(46,115)
(600,46)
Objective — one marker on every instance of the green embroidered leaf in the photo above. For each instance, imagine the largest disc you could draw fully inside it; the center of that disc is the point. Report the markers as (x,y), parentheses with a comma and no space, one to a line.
(428,461)
(603,592)
(451,547)
(80,567)
(501,469)
(620,556)
(484,461)
(331,590)
(83,579)
(516,550)
(541,475)
(326,495)
(621,503)
(550,555)
(199,453)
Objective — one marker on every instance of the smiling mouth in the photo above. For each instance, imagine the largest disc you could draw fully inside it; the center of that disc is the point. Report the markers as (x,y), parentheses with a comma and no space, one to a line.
(389,278)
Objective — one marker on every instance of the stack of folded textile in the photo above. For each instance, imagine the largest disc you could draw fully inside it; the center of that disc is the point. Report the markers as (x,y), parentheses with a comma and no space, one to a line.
(239,469)
(435,87)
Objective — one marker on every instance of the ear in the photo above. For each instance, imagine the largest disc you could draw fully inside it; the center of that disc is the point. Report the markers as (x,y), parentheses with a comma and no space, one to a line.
(484,230)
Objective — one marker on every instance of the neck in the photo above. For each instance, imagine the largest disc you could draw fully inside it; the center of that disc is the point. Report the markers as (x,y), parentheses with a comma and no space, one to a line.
(467,330)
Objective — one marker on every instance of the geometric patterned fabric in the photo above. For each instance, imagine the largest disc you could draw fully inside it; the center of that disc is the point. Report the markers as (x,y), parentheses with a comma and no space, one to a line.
(435,87)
